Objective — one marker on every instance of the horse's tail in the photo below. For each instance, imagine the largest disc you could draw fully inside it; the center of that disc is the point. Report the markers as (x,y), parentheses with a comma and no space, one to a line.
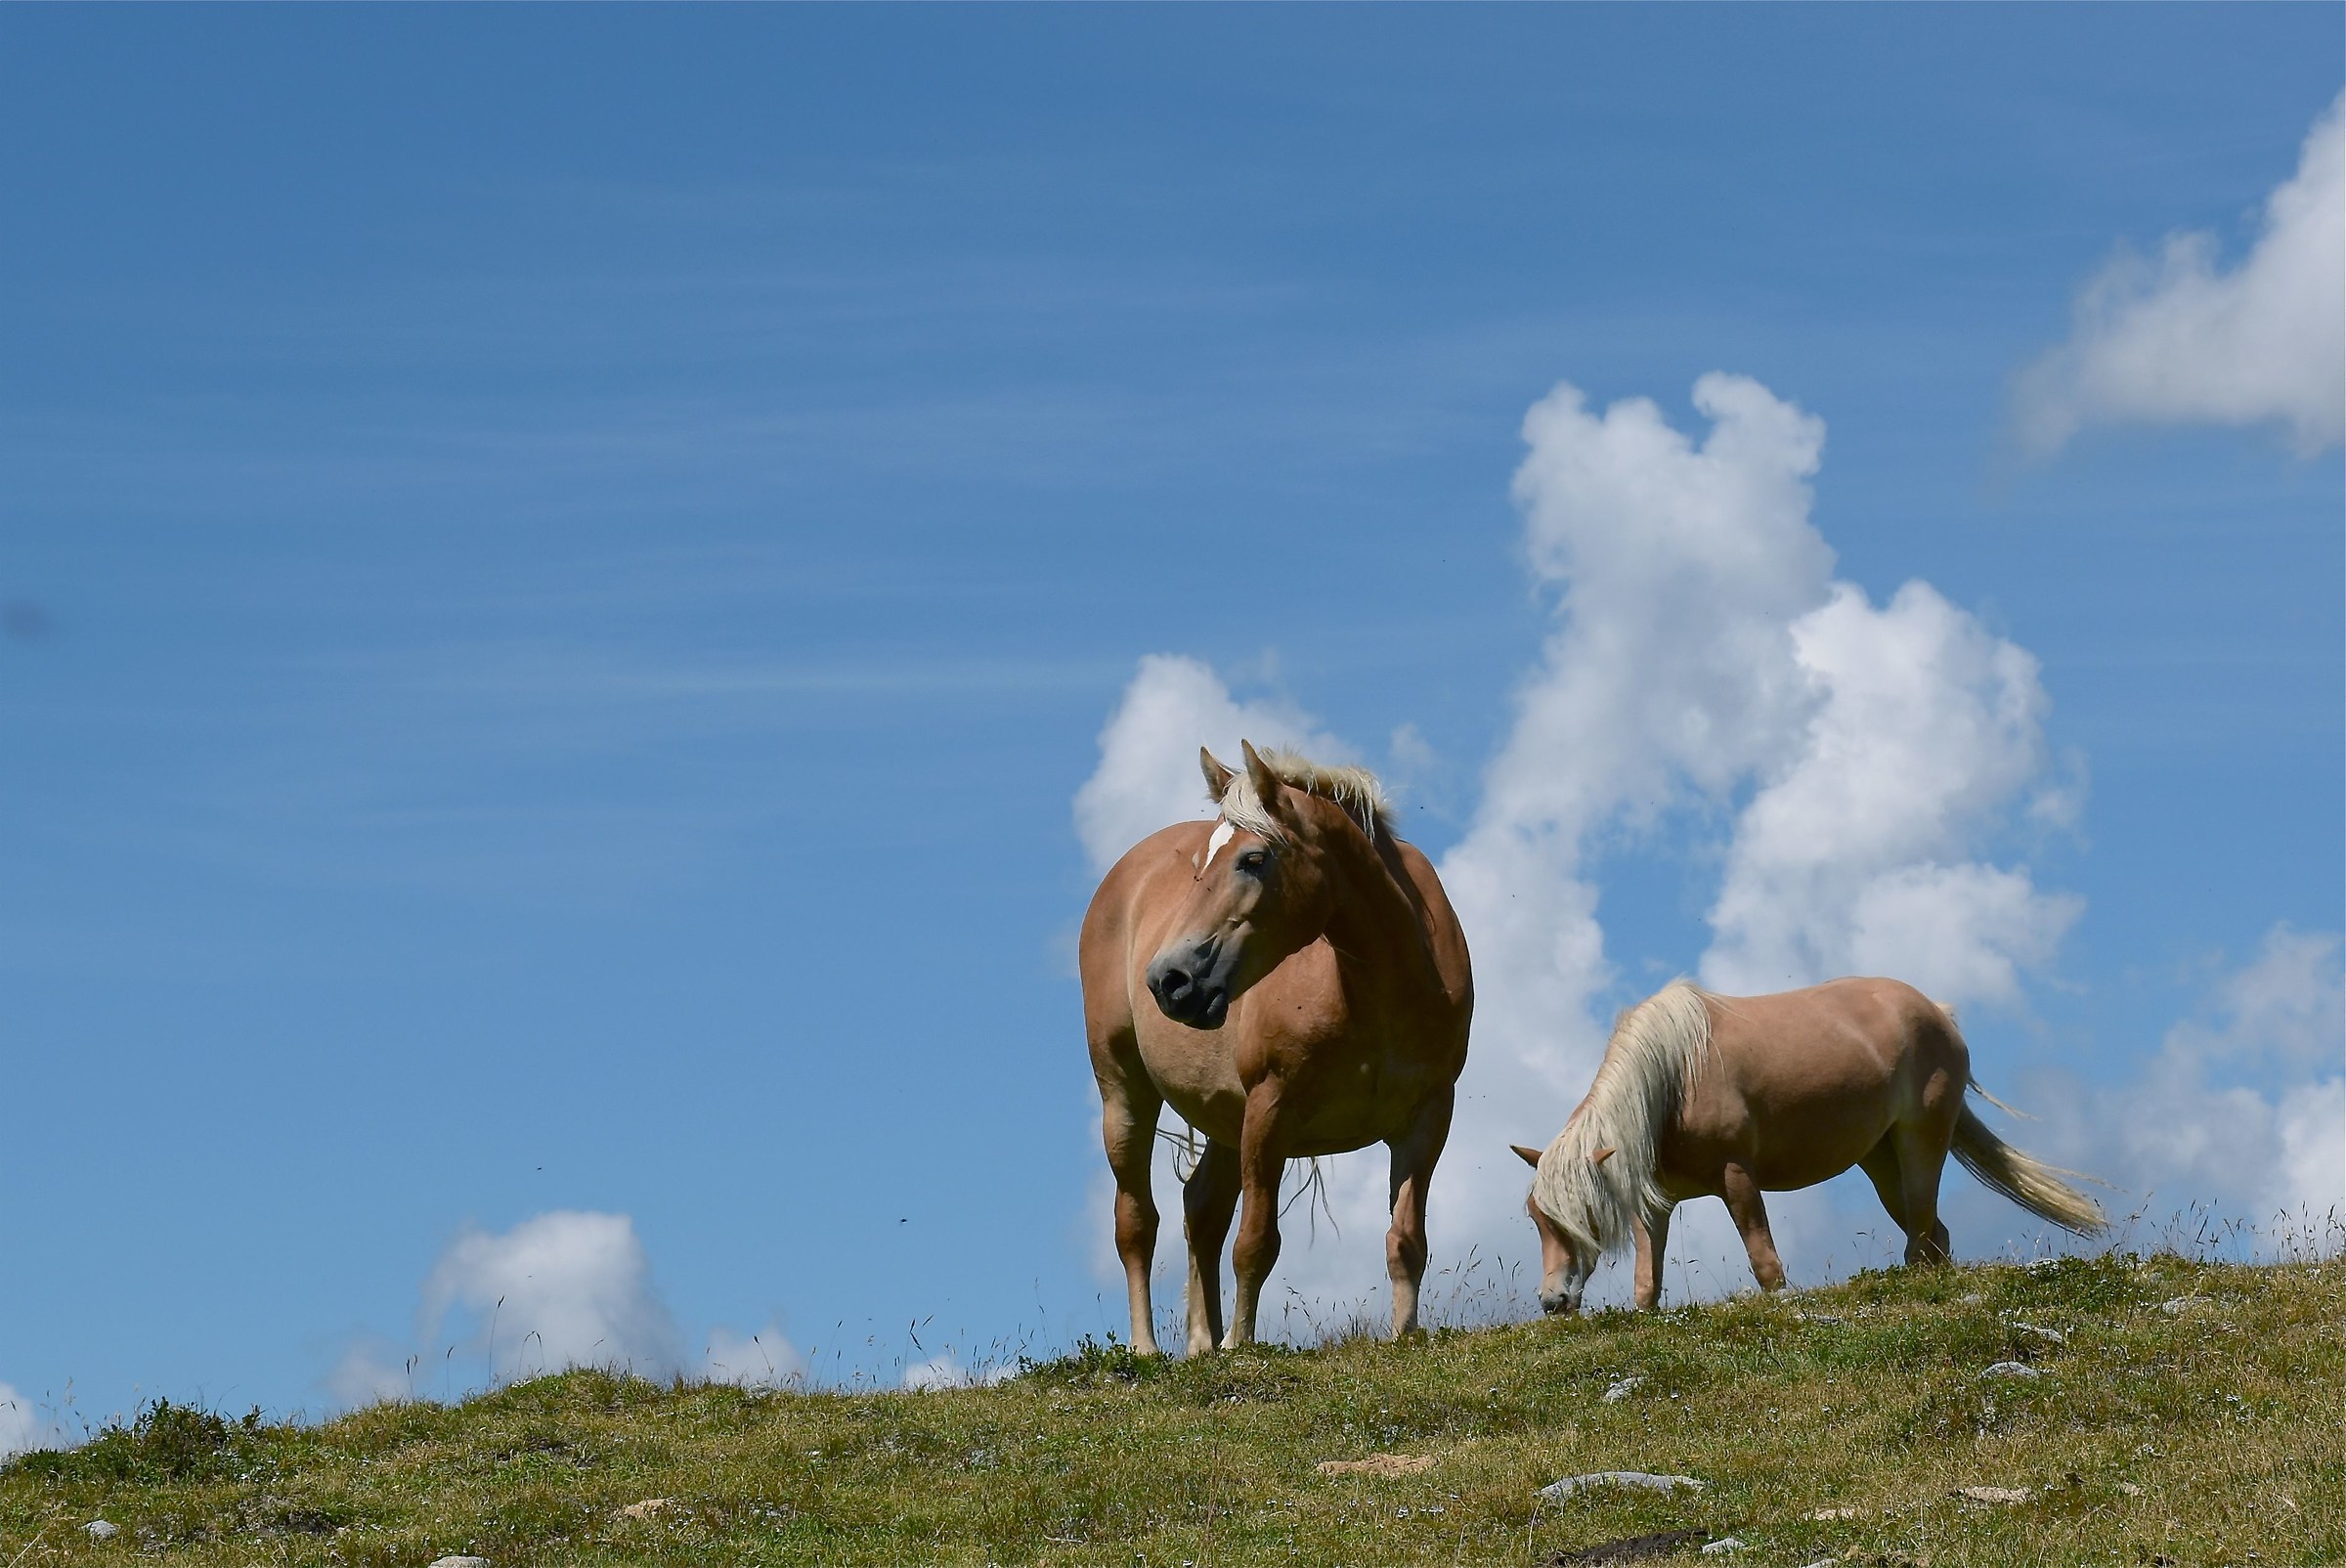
(2025,1179)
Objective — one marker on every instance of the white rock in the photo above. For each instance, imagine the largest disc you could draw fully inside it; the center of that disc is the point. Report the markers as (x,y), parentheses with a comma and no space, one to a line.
(1623,1389)
(2053,1334)
(1558,1491)
(2178,1306)
(1992,1494)
(460,1562)
(103,1529)
(1722,1545)
(2012,1369)
(1822,1562)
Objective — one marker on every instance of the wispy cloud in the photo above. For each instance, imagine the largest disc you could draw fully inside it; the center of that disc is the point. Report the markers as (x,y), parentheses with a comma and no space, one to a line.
(2181,340)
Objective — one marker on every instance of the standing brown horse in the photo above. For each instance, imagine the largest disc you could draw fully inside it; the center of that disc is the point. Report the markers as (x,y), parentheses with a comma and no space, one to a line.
(1291,979)
(1727,1096)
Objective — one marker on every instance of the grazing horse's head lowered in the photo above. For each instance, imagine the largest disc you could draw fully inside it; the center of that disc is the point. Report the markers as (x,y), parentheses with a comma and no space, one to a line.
(1564,1265)
(1259,893)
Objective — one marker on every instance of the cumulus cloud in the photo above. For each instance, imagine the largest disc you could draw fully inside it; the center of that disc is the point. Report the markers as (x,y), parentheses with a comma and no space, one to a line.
(765,1359)
(946,1371)
(1924,728)
(566,1289)
(1701,650)
(370,1369)
(2242,1107)
(21,1425)
(2181,340)
(1147,772)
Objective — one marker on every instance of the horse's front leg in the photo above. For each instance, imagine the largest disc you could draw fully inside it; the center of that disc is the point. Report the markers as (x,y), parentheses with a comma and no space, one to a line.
(1129,1105)
(1652,1233)
(1414,1157)
(1261,1162)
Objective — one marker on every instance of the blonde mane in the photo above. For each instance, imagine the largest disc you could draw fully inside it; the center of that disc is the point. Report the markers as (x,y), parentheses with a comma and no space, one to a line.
(1657,1052)
(1352,790)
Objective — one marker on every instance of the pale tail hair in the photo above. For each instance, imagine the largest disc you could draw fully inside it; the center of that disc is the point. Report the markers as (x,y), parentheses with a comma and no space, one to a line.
(1657,1052)
(2023,1178)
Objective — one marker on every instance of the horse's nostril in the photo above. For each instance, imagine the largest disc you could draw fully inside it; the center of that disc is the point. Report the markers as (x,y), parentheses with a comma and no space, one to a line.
(1172,984)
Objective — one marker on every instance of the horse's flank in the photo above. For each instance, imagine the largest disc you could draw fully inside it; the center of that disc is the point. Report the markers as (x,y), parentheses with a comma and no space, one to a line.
(1650,1068)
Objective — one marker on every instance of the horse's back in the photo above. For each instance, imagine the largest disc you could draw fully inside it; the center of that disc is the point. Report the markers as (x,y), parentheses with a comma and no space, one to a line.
(1805,1082)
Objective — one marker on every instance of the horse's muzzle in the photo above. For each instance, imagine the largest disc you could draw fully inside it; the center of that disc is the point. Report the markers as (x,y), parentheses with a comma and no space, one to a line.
(1191,982)
(1556,1304)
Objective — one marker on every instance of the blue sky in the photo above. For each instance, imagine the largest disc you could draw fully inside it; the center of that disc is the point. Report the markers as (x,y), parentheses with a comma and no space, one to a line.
(565,569)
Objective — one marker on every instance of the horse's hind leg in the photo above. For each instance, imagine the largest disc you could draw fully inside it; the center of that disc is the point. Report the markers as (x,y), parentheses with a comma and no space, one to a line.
(1750,1213)
(1888,1171)
(1922,1157)
(1413,1156)
(1129,1106)
(1207,1200)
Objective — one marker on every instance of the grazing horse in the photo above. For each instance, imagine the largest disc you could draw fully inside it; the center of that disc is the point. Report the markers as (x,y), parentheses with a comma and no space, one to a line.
(1729,1096)
(1290,978)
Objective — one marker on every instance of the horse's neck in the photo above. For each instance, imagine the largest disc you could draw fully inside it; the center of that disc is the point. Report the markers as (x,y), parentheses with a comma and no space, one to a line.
(1375,920)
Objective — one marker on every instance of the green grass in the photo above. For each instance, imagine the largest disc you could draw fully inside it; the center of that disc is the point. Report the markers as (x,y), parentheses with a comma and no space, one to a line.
(2215,1434)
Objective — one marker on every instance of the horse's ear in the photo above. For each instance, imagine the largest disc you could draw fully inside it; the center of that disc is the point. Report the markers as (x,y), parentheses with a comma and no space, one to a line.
(1531,1157)
(1217,777)
(1601,1157)
(1266,783)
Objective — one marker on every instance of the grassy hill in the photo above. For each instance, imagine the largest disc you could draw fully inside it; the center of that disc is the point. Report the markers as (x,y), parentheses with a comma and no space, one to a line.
(2186,1413)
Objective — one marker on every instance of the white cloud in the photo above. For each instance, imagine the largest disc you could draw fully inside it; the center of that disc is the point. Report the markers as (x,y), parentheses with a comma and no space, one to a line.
(1850,859)
(1147,774)
(765,1359)
(565,1288)
(21,1425)
(2244,1109)
(2180,341)
(1701,646)
(946,1371)
(370,1371)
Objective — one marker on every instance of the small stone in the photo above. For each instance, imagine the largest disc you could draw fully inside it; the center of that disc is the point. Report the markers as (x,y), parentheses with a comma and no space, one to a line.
(2012,1369)
(1623,1389)
(644,1509)
(2177,1306)
(460,1562)
(2053,1334)
(103,1529)
(1558,1491)
(1379,1465)
(1822,1562)
(1838,1513)
(1971,1299)
(1993,1494)
(1722,1545)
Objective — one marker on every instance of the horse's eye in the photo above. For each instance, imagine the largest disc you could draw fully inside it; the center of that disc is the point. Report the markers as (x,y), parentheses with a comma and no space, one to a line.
(1253,860)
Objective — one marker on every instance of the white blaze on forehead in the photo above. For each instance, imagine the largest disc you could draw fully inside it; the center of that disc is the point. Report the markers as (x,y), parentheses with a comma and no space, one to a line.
(1222,833)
